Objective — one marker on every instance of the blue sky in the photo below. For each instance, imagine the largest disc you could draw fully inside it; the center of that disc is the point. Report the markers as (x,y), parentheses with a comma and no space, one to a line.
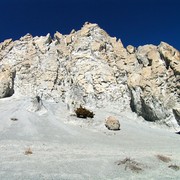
(135,22)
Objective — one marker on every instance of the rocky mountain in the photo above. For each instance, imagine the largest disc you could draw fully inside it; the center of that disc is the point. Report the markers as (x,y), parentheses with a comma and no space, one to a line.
(92,69)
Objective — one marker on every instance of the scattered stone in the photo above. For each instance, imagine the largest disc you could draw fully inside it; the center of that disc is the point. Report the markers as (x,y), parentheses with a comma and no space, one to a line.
(28,151)
(14,119)
(174,167)
(130,164)
(163,158)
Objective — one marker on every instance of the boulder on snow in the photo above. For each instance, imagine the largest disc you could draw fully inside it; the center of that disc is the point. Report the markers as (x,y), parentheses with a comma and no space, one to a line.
(112,123)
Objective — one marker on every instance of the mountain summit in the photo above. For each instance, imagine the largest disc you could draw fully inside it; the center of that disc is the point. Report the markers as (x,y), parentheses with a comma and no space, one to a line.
(92,69)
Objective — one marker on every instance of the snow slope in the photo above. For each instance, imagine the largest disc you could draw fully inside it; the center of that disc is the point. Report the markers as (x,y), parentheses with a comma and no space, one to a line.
(67,148)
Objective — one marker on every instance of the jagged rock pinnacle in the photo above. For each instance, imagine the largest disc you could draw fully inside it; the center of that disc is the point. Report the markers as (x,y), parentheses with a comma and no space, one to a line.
(88,67)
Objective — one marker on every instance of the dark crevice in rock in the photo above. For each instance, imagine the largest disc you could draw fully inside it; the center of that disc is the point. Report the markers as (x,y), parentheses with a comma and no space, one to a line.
(177,116)
(142,109)
(147,112)
(132,103)
(57,75)
(11,90)
(167,63)
(150,62)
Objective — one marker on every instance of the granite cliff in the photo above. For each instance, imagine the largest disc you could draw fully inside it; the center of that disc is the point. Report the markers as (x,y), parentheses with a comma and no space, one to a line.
(90,68)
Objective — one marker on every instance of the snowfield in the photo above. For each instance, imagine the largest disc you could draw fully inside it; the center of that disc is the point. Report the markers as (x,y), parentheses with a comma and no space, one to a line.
(53,144)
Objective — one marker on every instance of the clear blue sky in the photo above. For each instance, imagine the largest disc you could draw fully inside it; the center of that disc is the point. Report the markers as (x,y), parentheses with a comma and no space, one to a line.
(135,22)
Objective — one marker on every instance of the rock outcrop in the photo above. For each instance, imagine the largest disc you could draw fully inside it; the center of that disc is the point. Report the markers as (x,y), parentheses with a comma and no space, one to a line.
(6,82)
(154,88)
(90,68)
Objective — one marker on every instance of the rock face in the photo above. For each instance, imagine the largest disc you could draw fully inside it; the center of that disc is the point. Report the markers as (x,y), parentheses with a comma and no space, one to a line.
(90,68)
(6,82)
(154,88)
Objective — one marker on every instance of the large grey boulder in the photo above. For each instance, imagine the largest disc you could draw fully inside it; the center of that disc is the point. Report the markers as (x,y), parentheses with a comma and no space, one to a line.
(112,123)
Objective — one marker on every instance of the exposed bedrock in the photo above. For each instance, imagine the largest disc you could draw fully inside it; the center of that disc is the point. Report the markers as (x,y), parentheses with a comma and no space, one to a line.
(90,68)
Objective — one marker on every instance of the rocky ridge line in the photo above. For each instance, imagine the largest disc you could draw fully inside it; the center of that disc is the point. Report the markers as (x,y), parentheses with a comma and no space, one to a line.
(90,68)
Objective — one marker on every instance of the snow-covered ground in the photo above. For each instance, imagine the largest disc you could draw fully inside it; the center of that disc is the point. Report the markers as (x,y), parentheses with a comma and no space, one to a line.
(67,148)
